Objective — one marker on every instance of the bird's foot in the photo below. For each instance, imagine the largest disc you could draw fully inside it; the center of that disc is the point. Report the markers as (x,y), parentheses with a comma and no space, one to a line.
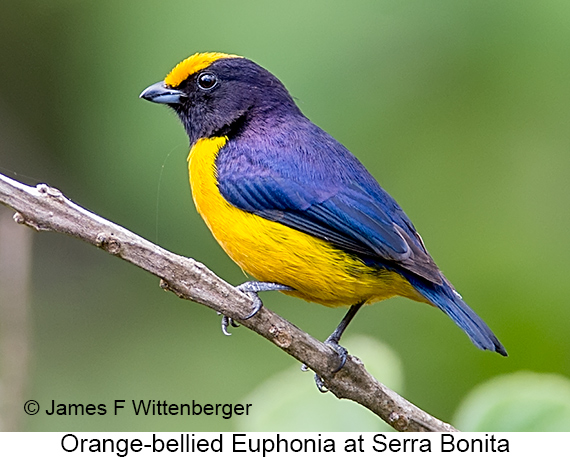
(251,288)
(340,350)
(226,322)
(342,353)
(333,342)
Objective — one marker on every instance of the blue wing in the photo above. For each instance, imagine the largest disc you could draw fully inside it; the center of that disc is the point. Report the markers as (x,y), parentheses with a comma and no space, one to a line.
(308,181)
(320,188)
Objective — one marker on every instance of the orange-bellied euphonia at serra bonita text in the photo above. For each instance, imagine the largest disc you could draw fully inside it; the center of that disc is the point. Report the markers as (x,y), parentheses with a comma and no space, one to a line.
(291,205)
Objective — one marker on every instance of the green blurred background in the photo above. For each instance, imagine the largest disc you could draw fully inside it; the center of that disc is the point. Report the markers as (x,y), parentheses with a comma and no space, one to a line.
(459,108)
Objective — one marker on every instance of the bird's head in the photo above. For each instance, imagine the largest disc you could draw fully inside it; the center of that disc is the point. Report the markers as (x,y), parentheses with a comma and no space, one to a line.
(217,94)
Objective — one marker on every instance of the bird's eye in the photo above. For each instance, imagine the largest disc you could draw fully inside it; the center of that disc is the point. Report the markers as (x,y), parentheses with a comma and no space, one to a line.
(207,81)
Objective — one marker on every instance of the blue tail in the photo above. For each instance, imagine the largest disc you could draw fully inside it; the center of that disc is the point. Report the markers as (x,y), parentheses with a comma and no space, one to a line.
(450,302)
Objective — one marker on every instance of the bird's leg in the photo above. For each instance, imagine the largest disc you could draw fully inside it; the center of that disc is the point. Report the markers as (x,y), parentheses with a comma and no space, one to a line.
(333,341)
(252,288)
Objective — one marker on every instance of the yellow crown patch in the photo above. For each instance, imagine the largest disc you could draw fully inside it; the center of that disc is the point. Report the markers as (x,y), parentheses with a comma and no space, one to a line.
(192,64)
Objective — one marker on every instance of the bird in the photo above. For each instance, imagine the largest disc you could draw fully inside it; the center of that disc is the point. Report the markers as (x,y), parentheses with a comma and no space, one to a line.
(292,206)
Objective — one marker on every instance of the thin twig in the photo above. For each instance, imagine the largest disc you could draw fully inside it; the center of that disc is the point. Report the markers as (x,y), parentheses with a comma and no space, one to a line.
(45,208)
(15,257)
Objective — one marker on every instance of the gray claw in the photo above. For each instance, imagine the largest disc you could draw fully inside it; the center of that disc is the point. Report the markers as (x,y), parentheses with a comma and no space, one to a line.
(252,288)
(320,384)
(257,304)
(342,354)
(226,322)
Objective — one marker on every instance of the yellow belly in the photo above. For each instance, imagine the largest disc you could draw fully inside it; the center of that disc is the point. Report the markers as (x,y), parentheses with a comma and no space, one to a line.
(270,251)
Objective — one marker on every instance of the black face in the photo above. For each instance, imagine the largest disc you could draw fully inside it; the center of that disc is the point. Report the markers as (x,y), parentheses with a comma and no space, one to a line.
(222,98)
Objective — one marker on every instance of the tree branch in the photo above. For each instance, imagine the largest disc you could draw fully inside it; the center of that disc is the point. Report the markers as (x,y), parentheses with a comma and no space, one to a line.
(46,209)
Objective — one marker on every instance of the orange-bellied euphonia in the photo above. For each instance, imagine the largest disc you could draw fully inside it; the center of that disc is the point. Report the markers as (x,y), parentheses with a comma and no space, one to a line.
(291,205)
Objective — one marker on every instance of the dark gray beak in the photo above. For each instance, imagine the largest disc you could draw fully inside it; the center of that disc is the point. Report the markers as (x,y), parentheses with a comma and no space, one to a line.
(160,93)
